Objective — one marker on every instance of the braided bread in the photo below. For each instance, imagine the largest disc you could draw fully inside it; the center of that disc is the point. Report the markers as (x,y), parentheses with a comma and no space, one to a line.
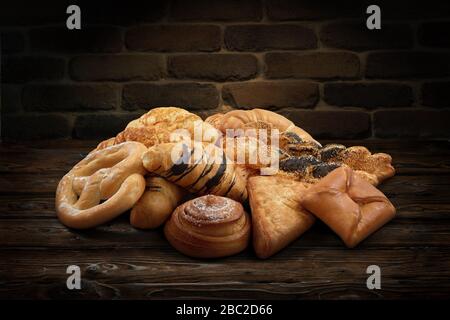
(311,163)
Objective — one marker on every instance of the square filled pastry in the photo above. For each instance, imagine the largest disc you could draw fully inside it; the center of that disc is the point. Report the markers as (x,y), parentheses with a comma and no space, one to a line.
(349,205)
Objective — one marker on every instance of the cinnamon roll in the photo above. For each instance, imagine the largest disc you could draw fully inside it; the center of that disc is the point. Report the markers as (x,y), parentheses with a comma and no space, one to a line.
(209,227)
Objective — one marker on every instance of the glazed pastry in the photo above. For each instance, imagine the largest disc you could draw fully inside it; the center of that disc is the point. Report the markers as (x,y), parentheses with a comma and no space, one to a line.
(239,119)
(113,175)
(209,227)
(277,214)
(157,203)
(197,168)
(349,205)
(166,124)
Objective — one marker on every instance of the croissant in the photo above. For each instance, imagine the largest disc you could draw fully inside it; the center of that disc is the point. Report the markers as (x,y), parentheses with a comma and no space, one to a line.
(239,119)
(198,168)
(349,205)
(209,227)
(157,203)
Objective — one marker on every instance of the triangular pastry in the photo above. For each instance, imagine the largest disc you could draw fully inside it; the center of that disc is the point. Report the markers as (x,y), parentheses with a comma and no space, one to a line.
(277,215)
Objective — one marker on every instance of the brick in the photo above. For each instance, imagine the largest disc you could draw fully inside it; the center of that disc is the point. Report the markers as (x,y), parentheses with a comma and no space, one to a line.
(32,127)
(192,96)
(218,67)
(407,9)
(174,38)
(329,124)
(216,10)
(101,125)
(271,94)
(12,42)
(435,34)
(123,13)
(312,65)
(23,69)
(266,37)
(73,97)
(117,67)
(436,94)
(10,98)
(368,95)
(313,9)
(356,36)
(407,64)
(89,39)
(412,123)
(27,13)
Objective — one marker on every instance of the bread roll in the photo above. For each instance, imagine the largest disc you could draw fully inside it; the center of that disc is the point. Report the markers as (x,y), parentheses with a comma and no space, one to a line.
(157,203)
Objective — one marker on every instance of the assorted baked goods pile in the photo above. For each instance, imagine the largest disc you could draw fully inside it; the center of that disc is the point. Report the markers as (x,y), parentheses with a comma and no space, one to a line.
(245,176)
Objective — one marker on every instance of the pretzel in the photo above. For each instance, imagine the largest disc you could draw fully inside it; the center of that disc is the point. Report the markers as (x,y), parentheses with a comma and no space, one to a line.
(114,174)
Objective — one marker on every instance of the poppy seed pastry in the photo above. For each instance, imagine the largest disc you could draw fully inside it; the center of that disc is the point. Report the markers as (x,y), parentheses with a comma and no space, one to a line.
(349,205)
(209,227)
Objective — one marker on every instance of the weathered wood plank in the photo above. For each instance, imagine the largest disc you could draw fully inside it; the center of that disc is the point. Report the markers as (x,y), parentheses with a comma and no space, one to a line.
(37,206)
(119,233)
(152,273)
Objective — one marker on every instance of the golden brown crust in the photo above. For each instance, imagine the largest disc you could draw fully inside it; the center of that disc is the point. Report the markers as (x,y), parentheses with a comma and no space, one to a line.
(377,167)
(159,125)
(350,206)
(215,120)
(250,152)
(157,203)
(277,215)
(209,227)
(114,174)
(237,119)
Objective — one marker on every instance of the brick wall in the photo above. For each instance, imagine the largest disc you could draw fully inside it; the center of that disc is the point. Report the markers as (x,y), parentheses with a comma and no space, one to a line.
(314,61)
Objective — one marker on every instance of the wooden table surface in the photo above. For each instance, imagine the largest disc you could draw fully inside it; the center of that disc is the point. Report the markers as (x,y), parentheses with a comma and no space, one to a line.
(118,261)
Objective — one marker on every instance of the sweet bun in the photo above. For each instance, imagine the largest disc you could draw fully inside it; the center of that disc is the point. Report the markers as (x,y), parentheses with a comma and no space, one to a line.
(209,227)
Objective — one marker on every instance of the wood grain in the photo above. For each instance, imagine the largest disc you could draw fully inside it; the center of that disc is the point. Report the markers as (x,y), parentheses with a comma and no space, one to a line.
(118,261)
(151,273)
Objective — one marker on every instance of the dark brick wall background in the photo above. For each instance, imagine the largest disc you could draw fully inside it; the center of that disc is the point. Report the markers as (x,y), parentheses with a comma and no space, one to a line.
(313,61)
